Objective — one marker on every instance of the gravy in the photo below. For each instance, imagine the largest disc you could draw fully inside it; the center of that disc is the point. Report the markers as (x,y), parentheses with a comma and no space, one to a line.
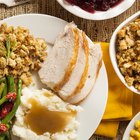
(42,120)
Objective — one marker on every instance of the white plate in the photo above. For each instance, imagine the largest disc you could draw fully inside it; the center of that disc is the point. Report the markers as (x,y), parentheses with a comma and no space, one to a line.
(48,27)
(112,51)
(130,127)
(98,15)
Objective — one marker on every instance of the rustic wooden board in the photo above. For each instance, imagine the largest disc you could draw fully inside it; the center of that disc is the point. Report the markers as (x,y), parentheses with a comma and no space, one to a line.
(96,30)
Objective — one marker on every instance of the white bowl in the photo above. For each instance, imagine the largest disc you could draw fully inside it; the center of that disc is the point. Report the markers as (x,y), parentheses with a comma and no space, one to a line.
(112,51)
(130,127)
(98,15)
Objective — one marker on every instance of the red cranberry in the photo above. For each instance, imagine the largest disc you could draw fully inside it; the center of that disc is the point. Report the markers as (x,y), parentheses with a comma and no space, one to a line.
(11,96)
(3,128)
(105,6)
(88,7)
(6,108)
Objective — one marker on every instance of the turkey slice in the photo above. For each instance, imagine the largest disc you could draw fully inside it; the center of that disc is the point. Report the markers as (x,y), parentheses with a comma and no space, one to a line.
(79,74)
(58,67)
(95,63)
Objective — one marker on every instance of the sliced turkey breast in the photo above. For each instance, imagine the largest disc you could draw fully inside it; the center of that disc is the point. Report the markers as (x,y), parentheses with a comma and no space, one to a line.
(58,67)
(95,63)
(79,74)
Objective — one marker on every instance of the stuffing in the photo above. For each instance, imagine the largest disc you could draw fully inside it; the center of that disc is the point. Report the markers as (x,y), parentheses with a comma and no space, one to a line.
(20,52)
(128,53)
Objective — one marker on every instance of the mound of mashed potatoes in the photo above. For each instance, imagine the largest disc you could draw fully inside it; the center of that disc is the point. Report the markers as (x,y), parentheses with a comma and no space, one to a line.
(44,116)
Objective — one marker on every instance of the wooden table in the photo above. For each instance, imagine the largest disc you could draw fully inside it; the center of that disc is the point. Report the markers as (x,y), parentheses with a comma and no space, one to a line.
(96,30)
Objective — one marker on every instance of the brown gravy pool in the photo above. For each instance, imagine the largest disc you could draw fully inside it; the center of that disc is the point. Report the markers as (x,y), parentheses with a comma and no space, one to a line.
(42,120)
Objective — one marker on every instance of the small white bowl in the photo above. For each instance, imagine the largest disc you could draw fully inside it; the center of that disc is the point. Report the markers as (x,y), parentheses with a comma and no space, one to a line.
(112,51)
(130,127)
(98,15)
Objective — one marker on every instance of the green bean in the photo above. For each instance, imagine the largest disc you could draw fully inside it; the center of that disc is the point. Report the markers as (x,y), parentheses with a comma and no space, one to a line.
(9,117)
(3,100)
(8,135)
(11,86)
(2,137)
(10,138)
(5,89)
(2,79)
(10,131)
(8,47)
(8,97)
(1,89)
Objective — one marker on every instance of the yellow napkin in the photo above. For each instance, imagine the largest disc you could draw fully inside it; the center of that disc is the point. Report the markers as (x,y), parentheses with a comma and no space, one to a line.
(119,104)
(108,129)
(136,104)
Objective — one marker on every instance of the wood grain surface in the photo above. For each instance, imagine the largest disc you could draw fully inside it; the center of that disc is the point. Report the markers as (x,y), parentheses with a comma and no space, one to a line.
(96,30)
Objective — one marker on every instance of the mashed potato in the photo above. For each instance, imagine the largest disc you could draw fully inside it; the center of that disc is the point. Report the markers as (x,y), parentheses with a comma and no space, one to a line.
(51,102)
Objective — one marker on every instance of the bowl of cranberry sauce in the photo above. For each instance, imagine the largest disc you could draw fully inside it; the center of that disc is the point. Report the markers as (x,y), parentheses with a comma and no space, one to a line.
(96,9)
(95,5)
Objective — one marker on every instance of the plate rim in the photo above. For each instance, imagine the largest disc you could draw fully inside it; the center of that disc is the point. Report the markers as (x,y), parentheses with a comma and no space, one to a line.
(130,125)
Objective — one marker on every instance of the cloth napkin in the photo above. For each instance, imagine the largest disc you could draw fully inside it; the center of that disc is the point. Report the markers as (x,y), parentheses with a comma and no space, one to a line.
(121,104)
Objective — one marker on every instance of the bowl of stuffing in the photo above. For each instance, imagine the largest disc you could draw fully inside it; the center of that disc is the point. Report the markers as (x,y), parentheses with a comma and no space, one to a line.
(125,52)
(96,9)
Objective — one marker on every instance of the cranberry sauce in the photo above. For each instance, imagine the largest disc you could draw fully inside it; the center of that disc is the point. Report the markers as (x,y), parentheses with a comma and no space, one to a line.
(95,5)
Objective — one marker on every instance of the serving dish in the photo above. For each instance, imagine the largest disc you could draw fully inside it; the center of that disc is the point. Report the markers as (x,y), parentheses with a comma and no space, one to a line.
(112,51)
(98,15)
(48,27)
(130,127)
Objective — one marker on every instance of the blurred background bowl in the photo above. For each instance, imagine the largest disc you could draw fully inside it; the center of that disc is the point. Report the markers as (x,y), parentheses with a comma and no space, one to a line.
(98,15)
